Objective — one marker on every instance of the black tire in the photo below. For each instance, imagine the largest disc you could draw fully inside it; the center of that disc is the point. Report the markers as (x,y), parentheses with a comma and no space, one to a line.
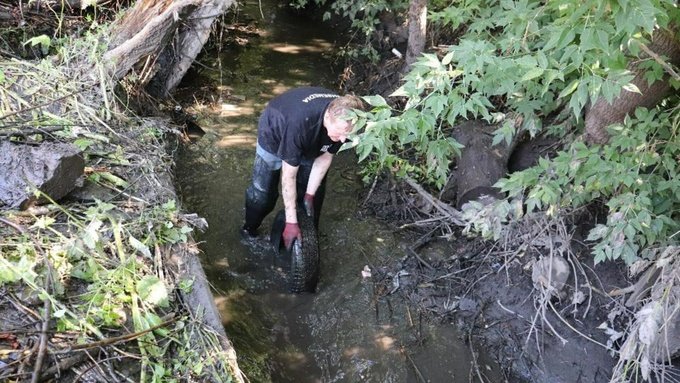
(304,260)
(303,272)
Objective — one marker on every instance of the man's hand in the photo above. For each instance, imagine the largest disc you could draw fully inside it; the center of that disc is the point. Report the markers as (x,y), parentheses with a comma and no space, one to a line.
(291,232)
(308,202)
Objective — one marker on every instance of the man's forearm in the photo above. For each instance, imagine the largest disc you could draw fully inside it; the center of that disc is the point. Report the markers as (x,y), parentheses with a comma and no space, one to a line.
(288,177)
(319,170)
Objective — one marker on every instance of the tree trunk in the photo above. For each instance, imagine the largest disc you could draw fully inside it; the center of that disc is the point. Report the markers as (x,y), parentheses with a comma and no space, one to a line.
(417,26)
(602,114)
(186,46)
(148,30)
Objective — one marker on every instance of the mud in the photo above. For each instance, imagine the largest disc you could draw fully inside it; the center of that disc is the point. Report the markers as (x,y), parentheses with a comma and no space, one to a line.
(486,292)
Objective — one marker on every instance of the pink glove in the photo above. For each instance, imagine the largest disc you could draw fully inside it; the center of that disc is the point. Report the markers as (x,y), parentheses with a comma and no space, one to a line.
(291,232)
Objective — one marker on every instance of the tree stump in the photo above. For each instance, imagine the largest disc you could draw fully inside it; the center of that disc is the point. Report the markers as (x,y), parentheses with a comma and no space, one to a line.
(480,165)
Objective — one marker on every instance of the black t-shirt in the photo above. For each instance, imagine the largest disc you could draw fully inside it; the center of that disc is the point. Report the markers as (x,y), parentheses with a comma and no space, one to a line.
(291,126)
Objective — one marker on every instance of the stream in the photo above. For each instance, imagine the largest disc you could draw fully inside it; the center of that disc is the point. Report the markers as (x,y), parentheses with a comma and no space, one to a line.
(341,333)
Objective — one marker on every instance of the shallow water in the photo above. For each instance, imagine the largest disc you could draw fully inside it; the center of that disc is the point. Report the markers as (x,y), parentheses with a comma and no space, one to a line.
(342,333)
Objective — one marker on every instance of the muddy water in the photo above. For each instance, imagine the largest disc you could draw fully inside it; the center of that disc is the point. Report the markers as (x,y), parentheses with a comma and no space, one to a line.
(342,333)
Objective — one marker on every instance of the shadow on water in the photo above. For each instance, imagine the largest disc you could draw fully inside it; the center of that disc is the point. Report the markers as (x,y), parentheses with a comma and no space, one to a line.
(341,333)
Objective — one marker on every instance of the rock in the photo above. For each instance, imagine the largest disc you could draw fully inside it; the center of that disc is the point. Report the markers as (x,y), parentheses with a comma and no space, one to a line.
(550,273)
(467,304)
(51,167)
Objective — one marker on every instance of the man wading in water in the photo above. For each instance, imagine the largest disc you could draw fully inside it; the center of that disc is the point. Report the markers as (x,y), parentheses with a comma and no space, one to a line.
(298,134)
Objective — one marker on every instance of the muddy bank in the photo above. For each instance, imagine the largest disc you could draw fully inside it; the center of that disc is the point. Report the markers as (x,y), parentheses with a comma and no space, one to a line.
(485,291)
(97,312)
(94,281)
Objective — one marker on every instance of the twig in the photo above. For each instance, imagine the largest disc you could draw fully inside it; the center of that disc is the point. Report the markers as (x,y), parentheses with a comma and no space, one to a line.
(13,225)
(423,240)
(62,364)
(14,132)
(415,368)
(94,364)
(420,259)
(451,213)
(42,344)
(657,58)
(472,350)
(259,3)
(451,274)
(507,309)
(41,105)
(370,191)
(117,339)
(577,331)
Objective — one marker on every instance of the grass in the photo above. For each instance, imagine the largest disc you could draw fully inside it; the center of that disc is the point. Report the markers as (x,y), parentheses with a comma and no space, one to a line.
(92,272)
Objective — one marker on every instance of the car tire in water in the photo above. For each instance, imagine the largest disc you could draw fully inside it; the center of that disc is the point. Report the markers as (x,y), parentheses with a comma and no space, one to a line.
(303,259)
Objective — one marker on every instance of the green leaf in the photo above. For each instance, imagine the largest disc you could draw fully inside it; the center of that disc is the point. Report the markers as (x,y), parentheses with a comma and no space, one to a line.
(42,40)
(603,40)
(114,179)
(139,246)
(59,313)
(447,58)
(152,291)
(169,206)
(532,74)
(91,235)
(43,222)
(186,284)
(83,143)
(569,89)
(632,88)
(154,320)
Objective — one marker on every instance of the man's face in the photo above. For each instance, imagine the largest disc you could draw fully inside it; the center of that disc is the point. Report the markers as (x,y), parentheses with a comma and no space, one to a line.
(337,128)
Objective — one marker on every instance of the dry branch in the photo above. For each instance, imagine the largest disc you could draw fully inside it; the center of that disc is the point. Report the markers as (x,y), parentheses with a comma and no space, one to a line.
(448,212)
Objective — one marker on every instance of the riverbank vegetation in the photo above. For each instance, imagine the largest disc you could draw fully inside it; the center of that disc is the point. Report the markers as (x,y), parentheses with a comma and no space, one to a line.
(600,79)
(96,287)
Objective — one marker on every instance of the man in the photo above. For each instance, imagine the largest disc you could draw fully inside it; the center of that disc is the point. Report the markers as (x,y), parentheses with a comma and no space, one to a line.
(298,134)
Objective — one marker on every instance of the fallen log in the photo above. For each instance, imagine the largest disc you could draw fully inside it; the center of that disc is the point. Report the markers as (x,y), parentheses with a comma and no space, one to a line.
(200,302)
(163,37)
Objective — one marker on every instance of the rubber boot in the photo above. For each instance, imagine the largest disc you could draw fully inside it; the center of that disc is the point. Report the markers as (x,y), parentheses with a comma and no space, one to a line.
(261,195)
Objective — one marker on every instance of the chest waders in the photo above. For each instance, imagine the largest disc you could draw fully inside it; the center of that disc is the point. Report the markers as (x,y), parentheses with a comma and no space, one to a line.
(261,197)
